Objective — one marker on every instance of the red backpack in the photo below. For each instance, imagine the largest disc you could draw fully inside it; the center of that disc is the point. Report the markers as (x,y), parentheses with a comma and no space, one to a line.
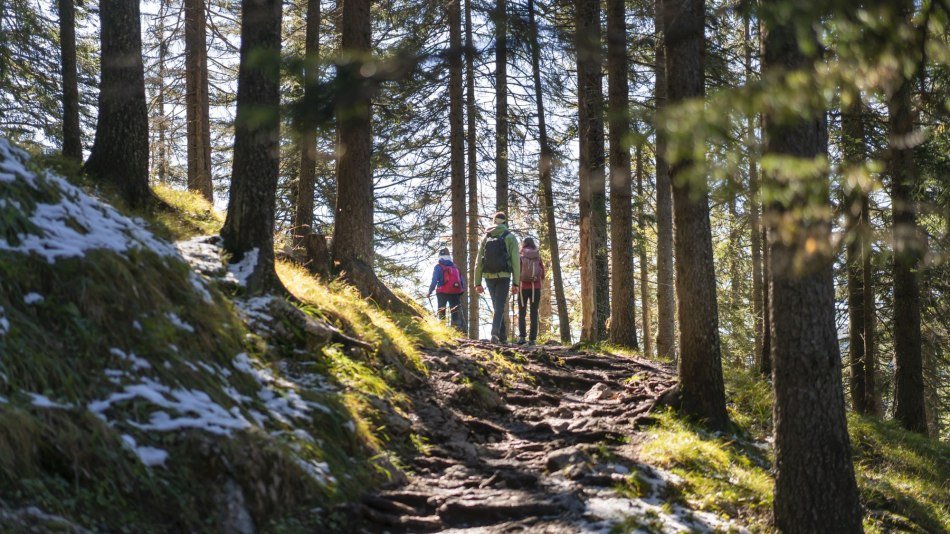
(451,280)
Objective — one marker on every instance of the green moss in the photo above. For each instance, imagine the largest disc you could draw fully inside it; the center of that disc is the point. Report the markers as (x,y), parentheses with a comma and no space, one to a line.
(186,214)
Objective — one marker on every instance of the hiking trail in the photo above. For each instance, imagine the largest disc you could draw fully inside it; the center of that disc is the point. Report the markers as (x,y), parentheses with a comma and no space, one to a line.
(541,447)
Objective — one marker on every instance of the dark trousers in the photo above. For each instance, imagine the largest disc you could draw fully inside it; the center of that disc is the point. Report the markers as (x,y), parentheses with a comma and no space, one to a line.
(532,298)
(498,289)
(454,303)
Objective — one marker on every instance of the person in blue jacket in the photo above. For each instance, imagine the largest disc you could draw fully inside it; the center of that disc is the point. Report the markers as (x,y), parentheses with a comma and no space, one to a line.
(448,284)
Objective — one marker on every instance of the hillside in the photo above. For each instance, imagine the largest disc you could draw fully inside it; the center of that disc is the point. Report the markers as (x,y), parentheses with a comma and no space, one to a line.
(143,390)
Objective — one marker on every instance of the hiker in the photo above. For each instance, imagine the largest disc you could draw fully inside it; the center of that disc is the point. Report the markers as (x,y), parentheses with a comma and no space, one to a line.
(532,272)
(449,285)
(499,263)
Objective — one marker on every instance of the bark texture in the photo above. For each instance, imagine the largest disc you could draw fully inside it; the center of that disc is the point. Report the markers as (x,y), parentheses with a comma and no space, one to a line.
(646,306)
(545,163)
(472,156)
(623,312)
(249,227)
(700,359)
(754,202)
(119,155)
(72,133)
(665,290)
(196,99)
(592,202)
(814,481)
(303,205)
(457,140)
(858,260)
(501,105)
(909,407)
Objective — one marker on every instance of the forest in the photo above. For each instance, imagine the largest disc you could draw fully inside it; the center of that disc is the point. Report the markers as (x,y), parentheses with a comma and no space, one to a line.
(726,222)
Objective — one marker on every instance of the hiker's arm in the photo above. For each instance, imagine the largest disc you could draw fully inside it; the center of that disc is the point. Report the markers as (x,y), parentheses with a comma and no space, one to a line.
(515,259)
(478,264)
(436,274)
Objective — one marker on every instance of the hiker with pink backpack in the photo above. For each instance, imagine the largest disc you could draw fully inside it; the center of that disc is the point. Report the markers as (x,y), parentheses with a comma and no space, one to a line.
(532,273)
(448,284)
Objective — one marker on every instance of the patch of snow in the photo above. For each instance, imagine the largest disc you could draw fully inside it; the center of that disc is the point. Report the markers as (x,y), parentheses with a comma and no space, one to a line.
(193,408)
(319,471)
(150,456)
(74,225)
(240,271)
(137,363)
(254,312)
(176,321)
(199,284)
(4,322)
(32,298)
(203,254)
(41,401)
(137,325)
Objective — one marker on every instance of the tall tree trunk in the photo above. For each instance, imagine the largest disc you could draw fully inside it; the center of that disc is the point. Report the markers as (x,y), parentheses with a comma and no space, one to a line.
(665,303)
(472,155)
(249,228)
(592,202)
(119,155)
(545,163)
(909,408)
(196,99)
(858,252)
(645,304)
(753,203)
(457,139)
(501,105)
(700,363)
(303,204)
(161,125)
(814,482)
(623,312)
(765,355)
(72,133)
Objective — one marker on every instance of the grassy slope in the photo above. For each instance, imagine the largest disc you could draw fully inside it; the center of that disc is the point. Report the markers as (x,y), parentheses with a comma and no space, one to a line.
(901,476)
(68,461)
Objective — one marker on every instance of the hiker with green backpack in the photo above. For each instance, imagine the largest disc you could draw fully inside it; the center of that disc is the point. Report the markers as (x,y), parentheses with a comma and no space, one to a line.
(532,273)
(500,264)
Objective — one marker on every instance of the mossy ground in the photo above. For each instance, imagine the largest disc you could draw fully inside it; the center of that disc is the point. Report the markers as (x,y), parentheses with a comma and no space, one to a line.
(69,347)
(902,476)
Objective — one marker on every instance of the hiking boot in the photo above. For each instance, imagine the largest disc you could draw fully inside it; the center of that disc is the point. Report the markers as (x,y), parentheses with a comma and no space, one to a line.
(520,341)
(531,343)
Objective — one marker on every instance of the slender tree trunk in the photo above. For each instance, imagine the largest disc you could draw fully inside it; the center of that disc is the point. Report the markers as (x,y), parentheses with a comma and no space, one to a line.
(753,203)
(665,303)
(812,450)
(909,407)
(765,356)
(623,312)
(857,257)
(119,155)
(303,205)
(162,121)
(457,138)
(545,163)
(249,228)
(593,265)
(72,133)
(645,304)
(700,363)
(196,99)
(473,228)
(501,105)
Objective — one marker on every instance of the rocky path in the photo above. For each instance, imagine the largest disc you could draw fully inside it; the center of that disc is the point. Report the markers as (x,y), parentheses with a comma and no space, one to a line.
(535,440)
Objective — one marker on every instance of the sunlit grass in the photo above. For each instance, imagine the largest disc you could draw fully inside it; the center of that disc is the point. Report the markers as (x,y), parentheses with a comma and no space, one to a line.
(191,214)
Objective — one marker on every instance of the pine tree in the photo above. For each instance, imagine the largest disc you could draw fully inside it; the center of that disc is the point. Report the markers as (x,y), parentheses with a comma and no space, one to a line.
(249,227)
(623,313)
(814,478)
(702,393)
(645,305)
(472,157)
(119,155)
(666,305)
(196,99)
(457,139)
(303,205)
(72,133)
(501,105)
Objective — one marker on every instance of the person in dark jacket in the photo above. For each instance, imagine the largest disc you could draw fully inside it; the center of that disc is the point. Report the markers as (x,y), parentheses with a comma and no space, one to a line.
(498,263)
(532,273)
(448,284)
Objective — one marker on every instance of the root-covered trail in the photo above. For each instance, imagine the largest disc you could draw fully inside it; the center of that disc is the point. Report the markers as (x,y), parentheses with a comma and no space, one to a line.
(535,439)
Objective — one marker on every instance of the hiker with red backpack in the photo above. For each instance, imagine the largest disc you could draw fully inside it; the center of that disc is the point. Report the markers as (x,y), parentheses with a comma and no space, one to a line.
(532,273)
(448,284)
(498,262)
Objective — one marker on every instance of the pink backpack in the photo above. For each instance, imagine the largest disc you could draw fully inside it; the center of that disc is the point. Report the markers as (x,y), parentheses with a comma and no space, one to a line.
(451,280)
